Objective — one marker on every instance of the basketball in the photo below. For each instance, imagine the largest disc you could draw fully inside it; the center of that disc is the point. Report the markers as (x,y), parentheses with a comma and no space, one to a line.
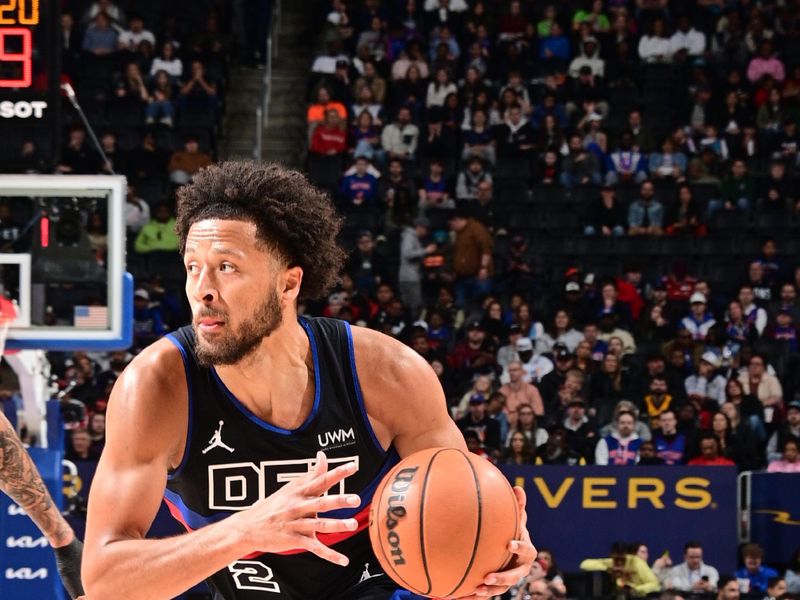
(441,520)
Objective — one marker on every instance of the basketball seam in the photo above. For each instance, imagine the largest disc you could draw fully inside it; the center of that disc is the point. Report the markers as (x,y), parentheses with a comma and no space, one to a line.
(422,519)
(478,530)
(384,483)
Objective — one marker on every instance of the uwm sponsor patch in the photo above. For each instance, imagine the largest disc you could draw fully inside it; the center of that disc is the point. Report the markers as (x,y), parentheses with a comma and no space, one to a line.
(337,438)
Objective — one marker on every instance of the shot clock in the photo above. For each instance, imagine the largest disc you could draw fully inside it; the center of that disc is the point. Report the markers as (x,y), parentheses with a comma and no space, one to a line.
(30,73)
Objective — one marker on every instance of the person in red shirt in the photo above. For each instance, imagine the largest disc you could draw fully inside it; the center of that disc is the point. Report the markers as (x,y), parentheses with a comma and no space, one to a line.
(680,285)
(329,137)
(709,454)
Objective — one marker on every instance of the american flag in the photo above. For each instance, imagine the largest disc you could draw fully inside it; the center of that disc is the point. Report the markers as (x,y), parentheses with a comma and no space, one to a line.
(92,317)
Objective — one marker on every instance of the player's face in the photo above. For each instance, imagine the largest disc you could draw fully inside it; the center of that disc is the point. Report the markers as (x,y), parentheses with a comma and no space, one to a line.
(231,283)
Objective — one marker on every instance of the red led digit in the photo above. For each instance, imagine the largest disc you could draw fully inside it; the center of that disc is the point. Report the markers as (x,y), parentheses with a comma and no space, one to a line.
(24,57)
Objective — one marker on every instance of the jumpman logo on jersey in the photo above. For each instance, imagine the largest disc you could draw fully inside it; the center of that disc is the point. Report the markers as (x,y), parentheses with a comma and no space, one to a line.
(367,575)
(216,440)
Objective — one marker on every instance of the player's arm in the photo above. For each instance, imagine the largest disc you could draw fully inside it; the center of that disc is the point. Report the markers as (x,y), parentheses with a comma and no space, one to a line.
(407,407)
(20,480)
(146,428)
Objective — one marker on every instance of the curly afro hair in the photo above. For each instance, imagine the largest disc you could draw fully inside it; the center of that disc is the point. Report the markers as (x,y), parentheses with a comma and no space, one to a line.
(292,217)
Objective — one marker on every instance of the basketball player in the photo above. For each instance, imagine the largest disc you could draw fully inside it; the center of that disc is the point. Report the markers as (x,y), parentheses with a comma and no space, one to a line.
(248,416)
(20,480)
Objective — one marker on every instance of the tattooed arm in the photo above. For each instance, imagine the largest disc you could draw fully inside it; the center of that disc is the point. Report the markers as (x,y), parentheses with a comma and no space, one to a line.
(20,480)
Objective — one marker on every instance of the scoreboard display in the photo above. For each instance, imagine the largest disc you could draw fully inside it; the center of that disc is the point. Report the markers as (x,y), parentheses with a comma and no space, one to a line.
(30,73)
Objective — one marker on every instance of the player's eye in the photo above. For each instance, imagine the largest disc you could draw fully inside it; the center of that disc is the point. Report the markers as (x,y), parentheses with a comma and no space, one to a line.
(227,268)
(192,268)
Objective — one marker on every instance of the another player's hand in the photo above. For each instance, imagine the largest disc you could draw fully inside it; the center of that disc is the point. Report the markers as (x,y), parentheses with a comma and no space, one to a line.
(287,520)
(524,552)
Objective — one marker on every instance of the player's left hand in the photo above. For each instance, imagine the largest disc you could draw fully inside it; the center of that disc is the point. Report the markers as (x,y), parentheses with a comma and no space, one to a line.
(524,552)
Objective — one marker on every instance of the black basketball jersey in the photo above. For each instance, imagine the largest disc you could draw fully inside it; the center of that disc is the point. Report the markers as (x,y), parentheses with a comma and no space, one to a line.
(232,459)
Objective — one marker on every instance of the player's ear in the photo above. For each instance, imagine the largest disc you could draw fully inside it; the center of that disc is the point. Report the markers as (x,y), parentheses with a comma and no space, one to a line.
(292,280)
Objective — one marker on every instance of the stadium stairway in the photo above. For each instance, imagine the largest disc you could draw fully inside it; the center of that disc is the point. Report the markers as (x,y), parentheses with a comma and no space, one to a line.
(285,135)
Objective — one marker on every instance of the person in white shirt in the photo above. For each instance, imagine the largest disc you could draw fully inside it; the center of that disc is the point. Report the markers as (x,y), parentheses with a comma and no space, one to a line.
(439,89)
(705,383)
(752,312)
(655,47)
(167,61)
(131,38)
(400,138)
(687,39)
(535,366)
(699,320)
(692,575)
(137,211)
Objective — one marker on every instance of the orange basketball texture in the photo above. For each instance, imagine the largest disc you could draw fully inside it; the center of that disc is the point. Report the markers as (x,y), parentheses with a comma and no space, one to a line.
(441,520)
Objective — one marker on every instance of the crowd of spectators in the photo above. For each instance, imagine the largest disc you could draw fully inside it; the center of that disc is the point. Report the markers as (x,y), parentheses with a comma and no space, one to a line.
(563,207)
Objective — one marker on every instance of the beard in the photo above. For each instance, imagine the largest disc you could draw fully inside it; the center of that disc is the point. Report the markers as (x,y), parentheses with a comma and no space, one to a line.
(231,347)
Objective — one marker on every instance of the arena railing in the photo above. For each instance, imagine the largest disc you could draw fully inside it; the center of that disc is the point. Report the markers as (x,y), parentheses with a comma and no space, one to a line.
(271,51)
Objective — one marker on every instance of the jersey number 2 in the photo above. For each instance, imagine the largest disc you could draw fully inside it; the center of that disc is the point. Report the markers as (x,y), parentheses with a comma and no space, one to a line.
(253,575)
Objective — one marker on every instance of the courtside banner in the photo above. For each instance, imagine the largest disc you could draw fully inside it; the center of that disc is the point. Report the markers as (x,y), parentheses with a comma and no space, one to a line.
(775,514)
(578,512)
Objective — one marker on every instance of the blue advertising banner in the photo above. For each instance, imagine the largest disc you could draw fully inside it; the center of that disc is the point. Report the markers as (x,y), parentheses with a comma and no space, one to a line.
(578,512)
(775,514)
(27,563)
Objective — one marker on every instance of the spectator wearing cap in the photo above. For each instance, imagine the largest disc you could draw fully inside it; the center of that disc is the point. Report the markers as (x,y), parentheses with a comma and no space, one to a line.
(518,391)
(621,446)
(581,429)
(535,366)
(699,320)
(552,383)
(473,355)
(412,251)
(479,421)
(508,352)
(148,324)
(472,257)
(706,388)
(789,429)
(670,444)
(646,214)
(184,164)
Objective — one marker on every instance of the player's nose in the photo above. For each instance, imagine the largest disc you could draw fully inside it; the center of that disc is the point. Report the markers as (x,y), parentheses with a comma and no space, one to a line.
(204,287)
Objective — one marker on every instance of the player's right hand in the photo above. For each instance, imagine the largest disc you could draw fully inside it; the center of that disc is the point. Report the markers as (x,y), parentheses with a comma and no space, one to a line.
(288,519)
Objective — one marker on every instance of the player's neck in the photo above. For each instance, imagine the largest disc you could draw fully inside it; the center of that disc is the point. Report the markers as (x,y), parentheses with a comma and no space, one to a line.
(254,382)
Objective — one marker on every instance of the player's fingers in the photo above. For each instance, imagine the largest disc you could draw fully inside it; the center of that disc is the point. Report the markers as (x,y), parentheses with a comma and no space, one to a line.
(324,481)
(521,500)
(318,525)
(323,504)
(314,546)
(509,577)
(526,552)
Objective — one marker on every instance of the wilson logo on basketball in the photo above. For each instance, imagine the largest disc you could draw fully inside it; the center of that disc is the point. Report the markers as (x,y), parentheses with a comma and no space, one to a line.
(396,510)
(338,438)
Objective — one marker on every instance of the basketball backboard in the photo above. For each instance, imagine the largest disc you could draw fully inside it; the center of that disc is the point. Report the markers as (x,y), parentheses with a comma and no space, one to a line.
(62,261)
